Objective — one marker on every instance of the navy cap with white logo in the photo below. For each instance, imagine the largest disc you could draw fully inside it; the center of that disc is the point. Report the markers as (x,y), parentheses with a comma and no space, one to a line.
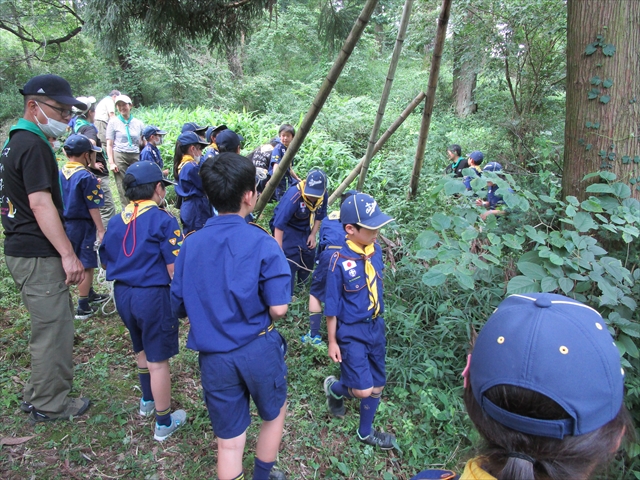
(54,87)
(316,184)
(361,209)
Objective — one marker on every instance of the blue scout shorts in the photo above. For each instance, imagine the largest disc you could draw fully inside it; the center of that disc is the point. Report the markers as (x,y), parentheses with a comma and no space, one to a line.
(146,312)
(82,235)
(256,370)
(194,213)
(319,277)
(363,348)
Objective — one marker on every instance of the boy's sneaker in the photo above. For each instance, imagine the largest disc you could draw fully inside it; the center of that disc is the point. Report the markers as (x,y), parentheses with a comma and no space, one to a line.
(178,418)
(82,314)
(75,407)
(97,297)
(336,405)
(277,475)
(316,340)
(384,440)
(147,408)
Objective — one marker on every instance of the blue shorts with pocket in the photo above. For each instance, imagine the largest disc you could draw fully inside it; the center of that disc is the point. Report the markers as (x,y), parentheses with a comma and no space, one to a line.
(82,235)
(256,370)
(319,276)
(146,312)
(363,349)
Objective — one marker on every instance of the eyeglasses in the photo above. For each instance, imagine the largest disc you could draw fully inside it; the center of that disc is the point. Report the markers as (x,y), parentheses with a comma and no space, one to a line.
(64,112)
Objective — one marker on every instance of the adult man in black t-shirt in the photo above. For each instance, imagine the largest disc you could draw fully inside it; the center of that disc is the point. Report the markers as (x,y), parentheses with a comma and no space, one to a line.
(38,253)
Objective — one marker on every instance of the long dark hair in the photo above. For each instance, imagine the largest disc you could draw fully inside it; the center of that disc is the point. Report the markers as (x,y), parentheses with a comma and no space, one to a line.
(574,457)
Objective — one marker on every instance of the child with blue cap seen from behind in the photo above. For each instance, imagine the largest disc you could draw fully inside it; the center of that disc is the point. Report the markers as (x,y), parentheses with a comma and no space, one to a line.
(330,239)
(138,252)
(354,308)
(544,387)
(154,137)
(474,161)
(494,203)
(296,221)
(195,209)
(82,198)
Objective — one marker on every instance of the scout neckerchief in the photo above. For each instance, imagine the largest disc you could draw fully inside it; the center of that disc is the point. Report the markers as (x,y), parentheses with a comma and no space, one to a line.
(81,122)
(370,272)
(473,471)
(126,126)
(311,206)
(70,168)
(185,159)
(130,216)
(214,147)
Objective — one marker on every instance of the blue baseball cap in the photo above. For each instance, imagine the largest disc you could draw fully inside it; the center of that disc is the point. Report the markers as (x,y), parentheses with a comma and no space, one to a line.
(492,167)
(361,209)
(54,87)
(316,183)
(477,156)
(555,346)
(228,141)
(147,172)
(213,130)
(152,130)
(193,127)
(191,138)
(77,144)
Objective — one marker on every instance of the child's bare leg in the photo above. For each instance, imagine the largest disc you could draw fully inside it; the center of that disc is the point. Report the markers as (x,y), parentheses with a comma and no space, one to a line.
(85,285)
(160,384)
(230,451)
(270,437)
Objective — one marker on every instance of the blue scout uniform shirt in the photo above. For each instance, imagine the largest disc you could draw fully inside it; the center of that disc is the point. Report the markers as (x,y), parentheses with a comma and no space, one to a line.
(331,232)
(493,198)
(347,292)
(291,216)
(81,191)
(141,260)
(226,277)
(189,181)
(151,153)
(276,157)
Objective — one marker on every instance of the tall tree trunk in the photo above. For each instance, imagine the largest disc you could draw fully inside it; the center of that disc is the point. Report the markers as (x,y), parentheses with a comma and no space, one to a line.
(318,102)
(234,61)
(443,21)
(464,79)
(397,49)
(603,91)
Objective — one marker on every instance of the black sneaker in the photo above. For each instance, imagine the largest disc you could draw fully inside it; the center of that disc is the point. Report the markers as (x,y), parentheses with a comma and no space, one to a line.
(384,440)
(336,405)
(82,314)
(26,407)
(97,297)
(75,407)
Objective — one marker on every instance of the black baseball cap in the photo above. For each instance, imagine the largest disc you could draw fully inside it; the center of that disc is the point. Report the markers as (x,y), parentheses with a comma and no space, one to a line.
(54,87)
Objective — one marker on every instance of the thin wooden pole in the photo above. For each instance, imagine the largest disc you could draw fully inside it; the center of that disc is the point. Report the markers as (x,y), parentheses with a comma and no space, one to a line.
(318,102)
(397,49)
(443,21)
(385,136)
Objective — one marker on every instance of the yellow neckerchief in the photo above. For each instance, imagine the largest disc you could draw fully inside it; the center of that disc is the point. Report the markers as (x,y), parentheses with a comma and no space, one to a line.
(473,471)
(214,146)
(372,283)
(312,208)
(70,168)
(135,209)
(185,159)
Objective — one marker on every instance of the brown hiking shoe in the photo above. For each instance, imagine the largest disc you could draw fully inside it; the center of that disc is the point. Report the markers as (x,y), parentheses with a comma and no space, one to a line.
(74,408)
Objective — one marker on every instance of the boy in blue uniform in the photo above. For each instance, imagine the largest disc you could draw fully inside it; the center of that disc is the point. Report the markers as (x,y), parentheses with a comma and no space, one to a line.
(195,208)
(138,252)
(474,161)
(232,280)
(150,153)
(285,134)
(331,238)
(210,136)
(354,308)
(296,221)
(494,202)
(82,198)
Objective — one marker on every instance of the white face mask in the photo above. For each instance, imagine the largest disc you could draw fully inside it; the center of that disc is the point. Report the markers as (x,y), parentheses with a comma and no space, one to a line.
(53,128)
(197,158)
(159,141)
(57,144)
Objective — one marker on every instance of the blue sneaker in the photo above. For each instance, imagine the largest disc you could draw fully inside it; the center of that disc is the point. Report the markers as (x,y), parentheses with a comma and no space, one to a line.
(316,340)
(178,418)
(147,408)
